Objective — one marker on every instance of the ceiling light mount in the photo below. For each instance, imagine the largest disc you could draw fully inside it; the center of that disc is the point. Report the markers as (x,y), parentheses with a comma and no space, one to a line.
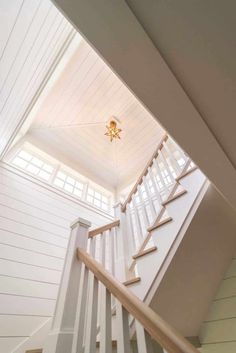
(112,131)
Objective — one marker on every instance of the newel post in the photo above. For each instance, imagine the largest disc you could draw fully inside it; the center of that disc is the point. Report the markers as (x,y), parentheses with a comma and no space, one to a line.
(121,264)
(60,337)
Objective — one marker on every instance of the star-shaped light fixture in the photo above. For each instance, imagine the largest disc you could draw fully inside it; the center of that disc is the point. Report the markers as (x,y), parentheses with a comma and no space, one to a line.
(112,131)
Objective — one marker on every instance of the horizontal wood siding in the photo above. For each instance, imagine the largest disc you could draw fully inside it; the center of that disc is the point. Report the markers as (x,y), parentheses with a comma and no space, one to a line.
(34,231)
(218,332)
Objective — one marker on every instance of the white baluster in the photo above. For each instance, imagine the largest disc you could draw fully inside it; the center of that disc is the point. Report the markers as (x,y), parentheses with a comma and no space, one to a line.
(163,159)
(102,260)
(131,234)
(92,248)
(123,340)
(137,221)
(91,329)
(111,243)
(103,249)
(91,324)
(149,196)
(174,162)
(112,253)
(143,208)
(177,148)
(144,340)
(77,345)
(105,325)
(154,183)
(121,266)
(159,173)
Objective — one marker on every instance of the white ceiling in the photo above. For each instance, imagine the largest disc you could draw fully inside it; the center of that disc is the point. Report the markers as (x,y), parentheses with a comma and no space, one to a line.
(71,122)
(188,83)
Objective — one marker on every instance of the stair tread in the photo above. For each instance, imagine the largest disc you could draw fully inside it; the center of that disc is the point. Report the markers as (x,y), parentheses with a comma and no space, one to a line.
(132,281)
(189,171)
(38,350)
(160,223)
(176,196)
(145,252)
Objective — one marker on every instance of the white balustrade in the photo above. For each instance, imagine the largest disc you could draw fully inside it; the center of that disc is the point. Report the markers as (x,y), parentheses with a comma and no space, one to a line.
(144,203)
(83,318)
(128,310)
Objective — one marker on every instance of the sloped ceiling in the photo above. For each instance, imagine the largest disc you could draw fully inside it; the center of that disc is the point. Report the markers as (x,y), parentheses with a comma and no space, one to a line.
(178,59)
(71,122)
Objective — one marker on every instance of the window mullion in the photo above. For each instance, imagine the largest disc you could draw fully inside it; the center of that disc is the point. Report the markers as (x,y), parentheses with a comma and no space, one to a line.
(85,191)
(54,174)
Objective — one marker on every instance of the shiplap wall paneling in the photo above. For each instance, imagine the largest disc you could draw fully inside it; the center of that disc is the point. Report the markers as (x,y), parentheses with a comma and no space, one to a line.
(218,332)
(32,35)
(34,231)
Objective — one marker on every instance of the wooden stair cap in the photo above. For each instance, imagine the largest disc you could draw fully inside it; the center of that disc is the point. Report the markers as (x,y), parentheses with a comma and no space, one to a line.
(189,171)
(144,252)
(39,350)
(160,224)
(132,281)
(176,196)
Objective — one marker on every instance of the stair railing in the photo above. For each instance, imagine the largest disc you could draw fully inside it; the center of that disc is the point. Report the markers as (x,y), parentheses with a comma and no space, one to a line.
(149,326)
(144,204)
(129,235)
(76,317)
(102,245)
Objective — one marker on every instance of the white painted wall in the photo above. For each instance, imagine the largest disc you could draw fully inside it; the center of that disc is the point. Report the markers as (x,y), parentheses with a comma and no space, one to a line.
(218,332)
(34,231)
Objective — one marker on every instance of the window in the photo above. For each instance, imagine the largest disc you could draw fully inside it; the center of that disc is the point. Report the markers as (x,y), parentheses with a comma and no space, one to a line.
(69,184)
(179,158)
(151,186)
(43,166)
(97,199)
(34,165)
(143,191)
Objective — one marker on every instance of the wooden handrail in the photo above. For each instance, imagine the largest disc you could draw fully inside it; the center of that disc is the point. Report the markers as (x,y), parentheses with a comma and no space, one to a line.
(144,172)
(102,229)
(158,329)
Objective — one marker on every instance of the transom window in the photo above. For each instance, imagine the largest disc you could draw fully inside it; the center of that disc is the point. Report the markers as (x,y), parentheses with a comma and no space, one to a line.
(69,184)
(33,165)
(29,159)
(96,198)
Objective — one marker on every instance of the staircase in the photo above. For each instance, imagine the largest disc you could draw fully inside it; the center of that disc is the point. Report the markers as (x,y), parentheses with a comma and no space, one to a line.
(112,273)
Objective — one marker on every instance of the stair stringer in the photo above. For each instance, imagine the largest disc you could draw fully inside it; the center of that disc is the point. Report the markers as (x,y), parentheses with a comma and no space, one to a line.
(151,268)
(36,340)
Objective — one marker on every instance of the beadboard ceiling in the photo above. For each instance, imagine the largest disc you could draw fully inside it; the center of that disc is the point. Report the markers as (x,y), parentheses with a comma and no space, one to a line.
(73,109)
(71,122)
